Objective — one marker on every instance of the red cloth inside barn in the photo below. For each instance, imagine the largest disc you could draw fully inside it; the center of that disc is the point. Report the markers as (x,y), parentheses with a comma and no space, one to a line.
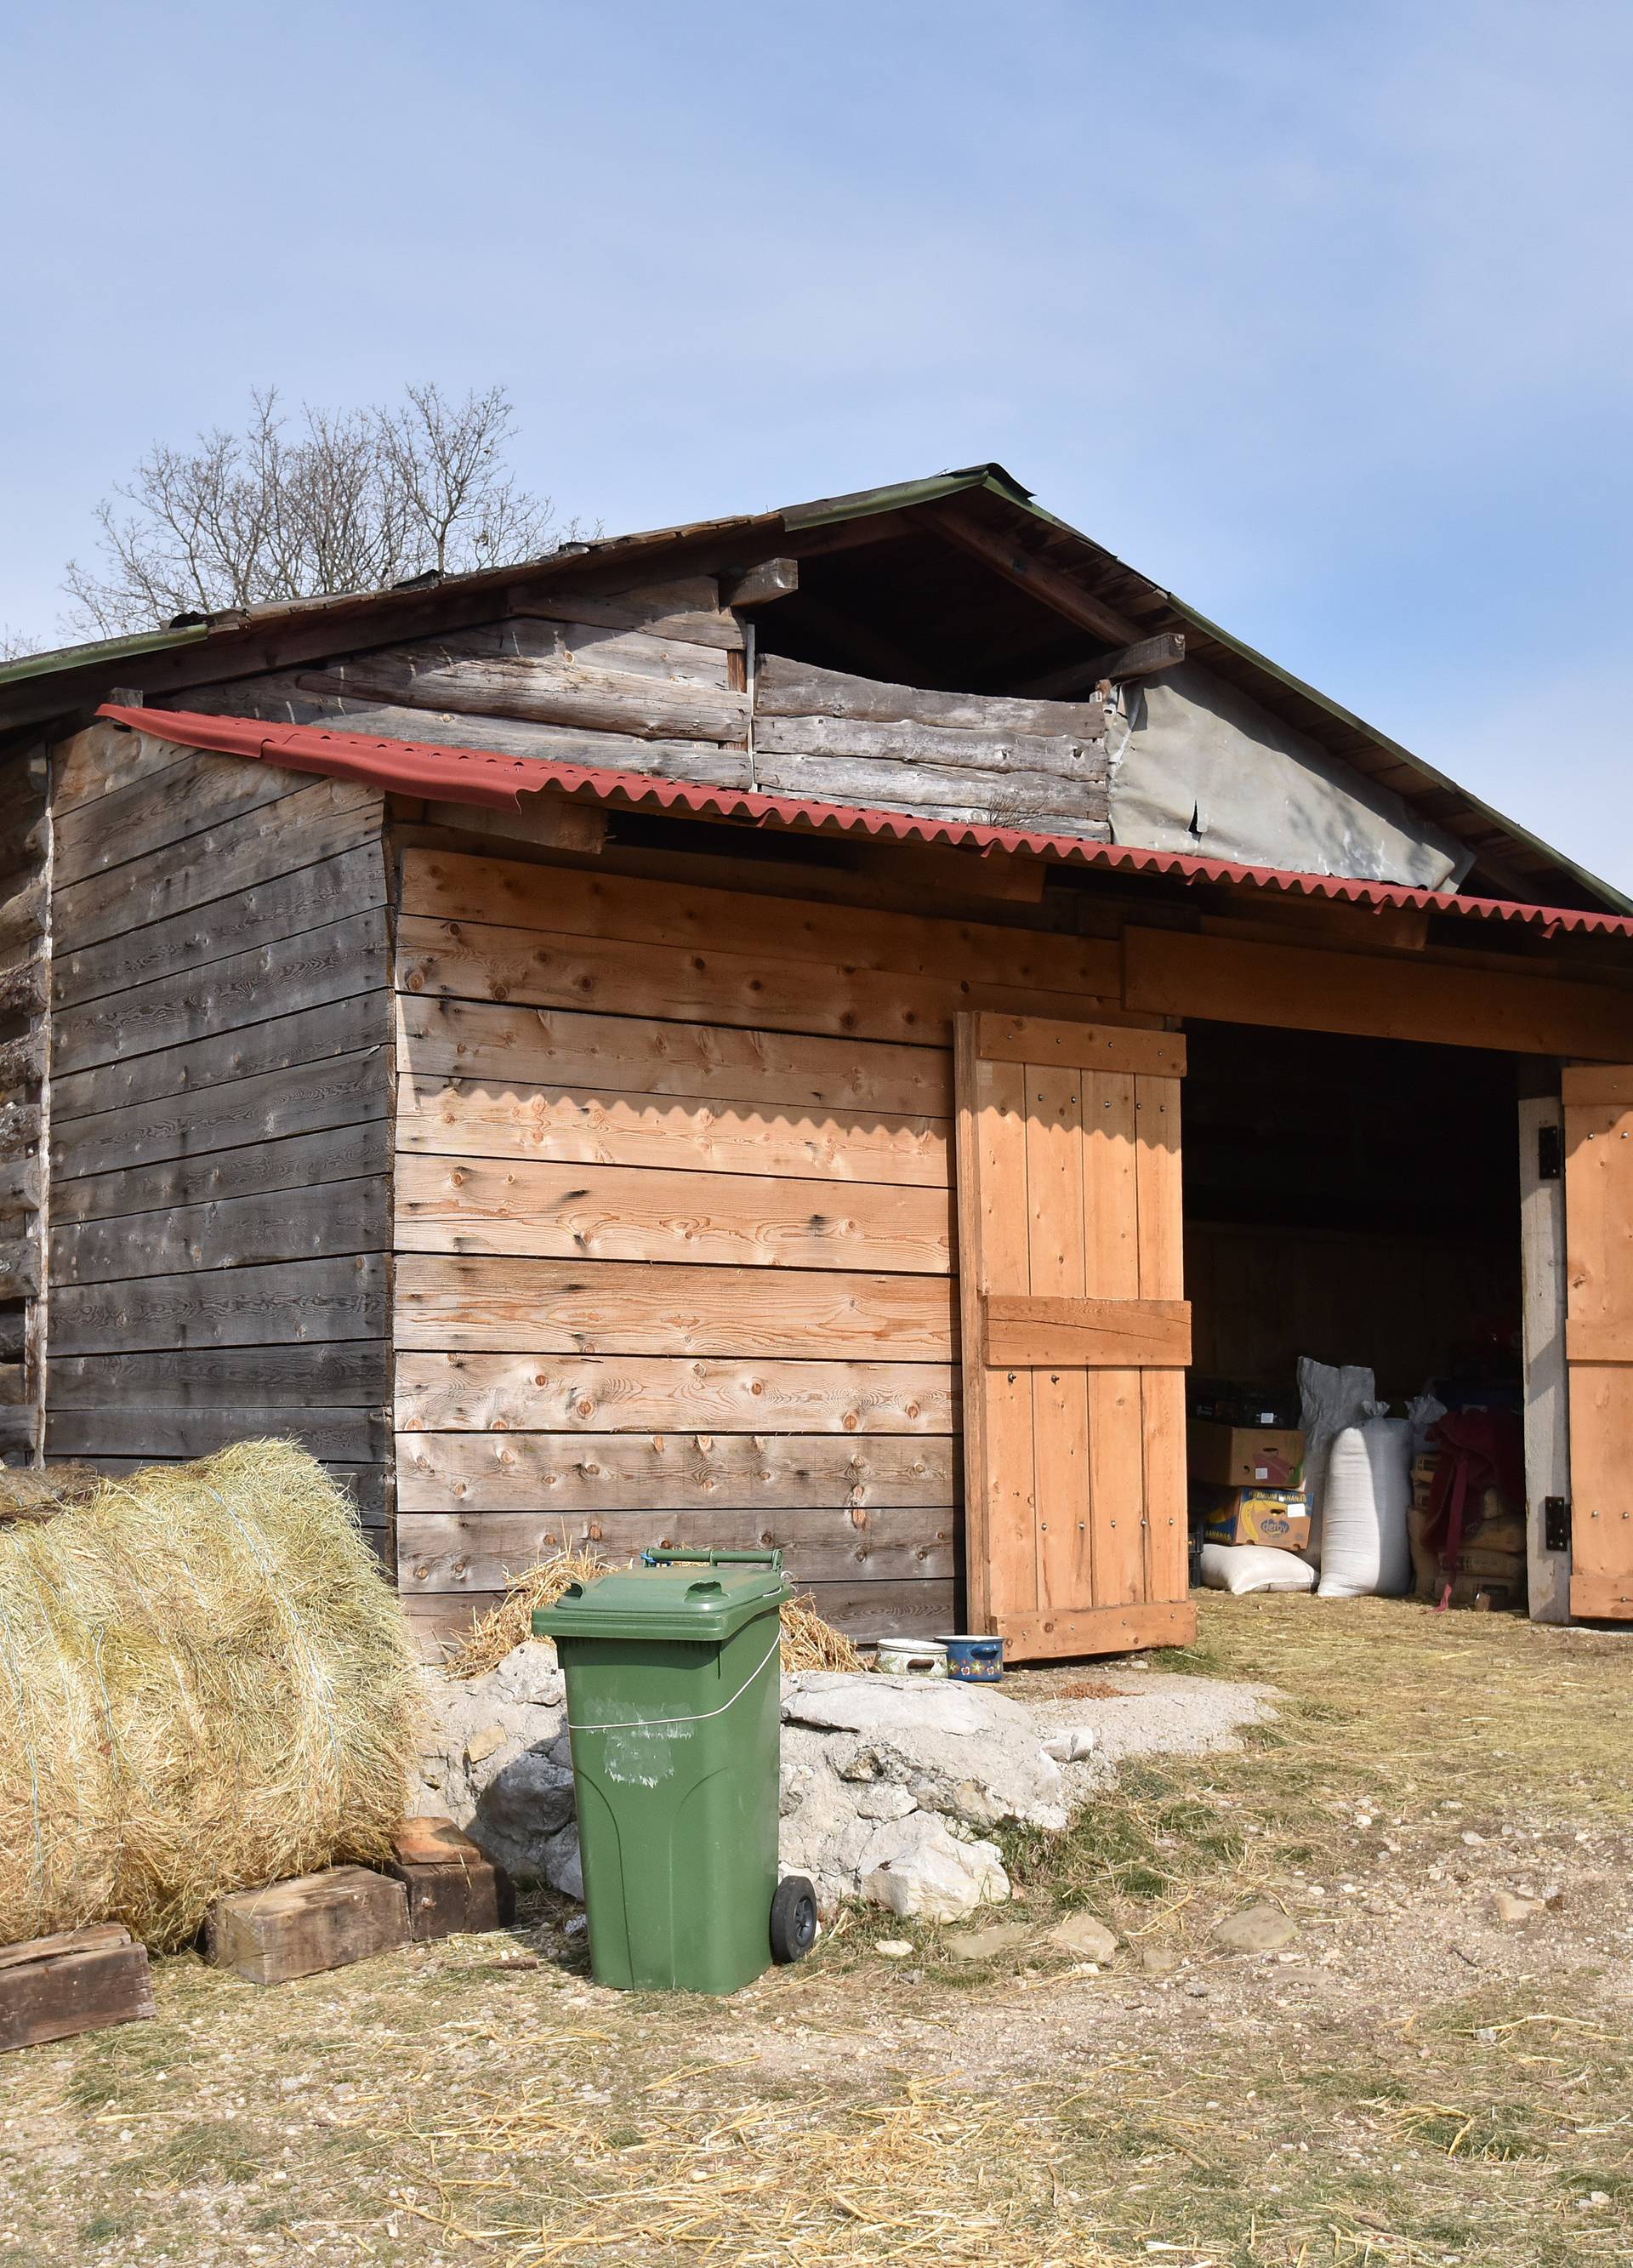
(1479,1450)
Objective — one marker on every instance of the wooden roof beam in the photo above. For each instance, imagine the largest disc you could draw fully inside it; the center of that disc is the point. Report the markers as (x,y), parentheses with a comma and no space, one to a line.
(1143,658)
(974,534)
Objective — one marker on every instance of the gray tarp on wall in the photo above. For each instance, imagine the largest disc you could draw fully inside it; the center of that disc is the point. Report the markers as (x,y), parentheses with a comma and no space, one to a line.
(1205,770)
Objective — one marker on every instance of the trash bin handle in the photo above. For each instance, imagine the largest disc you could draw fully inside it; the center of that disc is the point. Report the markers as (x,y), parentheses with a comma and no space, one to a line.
(773,1558)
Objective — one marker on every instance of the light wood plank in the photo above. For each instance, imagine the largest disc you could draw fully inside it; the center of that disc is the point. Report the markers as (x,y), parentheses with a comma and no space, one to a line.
(1055,1260)
(472,960)
(1099,1630)
(617,1212)
(455,886)
(553,1307)
(105,756)
(1043,1334)
(516,1048)
(453,1393)
(1170,972)
(1161,1279)
(480,1551)
(470,1119)
(573,1475)
(1089,1047)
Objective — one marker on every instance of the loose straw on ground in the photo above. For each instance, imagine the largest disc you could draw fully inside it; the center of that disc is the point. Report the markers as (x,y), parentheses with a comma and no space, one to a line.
(808,1642)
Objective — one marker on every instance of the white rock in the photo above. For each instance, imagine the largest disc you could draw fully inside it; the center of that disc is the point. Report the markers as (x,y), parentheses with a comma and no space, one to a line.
(960,1749)
(495,1757)
(1071,1746)
(913,1866)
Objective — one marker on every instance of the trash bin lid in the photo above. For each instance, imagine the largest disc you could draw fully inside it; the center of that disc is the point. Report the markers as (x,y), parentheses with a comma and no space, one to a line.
(701,1598)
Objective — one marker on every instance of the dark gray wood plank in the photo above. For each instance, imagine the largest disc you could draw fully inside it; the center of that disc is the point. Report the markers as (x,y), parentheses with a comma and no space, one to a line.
(352,1374)
(297,1300)
(201,790)
(338,1153)
(271,1108)
(288,906)
(289,1224)
(326,965)
(323,819)
(352,1437)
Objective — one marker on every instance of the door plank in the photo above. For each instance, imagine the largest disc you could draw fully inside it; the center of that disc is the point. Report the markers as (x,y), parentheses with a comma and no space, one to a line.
(1040,1334)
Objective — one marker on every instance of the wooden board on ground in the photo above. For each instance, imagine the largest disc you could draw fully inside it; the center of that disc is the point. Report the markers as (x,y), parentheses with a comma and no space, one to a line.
(309,1923)
(80,1980)
(451,1884)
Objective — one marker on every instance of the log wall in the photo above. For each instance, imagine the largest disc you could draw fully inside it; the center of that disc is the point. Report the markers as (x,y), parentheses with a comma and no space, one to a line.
(675,1255)
(220,1209)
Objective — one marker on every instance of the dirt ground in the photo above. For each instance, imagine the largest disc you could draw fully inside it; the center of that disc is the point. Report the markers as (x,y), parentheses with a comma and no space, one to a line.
(1410,2078)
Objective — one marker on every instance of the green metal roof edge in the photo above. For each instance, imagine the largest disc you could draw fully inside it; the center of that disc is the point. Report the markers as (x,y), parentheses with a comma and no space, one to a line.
(86,656)
(863,503)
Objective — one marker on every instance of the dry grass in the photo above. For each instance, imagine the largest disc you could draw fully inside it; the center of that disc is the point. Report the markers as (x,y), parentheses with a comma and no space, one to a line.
(27,1493)
(1419,2089)
(204,1684)
(808,1642)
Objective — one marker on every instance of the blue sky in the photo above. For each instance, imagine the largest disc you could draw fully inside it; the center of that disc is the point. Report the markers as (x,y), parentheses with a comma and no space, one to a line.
(1319,315)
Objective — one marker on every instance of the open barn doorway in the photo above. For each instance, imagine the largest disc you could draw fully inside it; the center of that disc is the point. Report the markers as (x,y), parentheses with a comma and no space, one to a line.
(1355,1202)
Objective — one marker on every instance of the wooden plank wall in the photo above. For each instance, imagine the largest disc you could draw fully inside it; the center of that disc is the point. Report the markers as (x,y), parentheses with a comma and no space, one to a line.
(221,1095)
(674,1228)
(1400,1302)
(24,997)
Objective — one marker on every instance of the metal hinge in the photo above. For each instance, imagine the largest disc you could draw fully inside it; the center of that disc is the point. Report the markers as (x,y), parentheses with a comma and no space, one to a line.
(1550,1153)
(1556,1523)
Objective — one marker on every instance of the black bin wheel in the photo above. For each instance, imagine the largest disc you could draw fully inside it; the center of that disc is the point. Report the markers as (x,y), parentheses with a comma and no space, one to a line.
(793,1919)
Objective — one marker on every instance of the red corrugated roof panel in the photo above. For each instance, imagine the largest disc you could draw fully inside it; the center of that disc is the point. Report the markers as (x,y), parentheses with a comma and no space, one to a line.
(476,776)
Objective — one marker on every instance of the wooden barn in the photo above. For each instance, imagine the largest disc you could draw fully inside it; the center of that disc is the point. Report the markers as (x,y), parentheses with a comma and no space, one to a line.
(689,1040)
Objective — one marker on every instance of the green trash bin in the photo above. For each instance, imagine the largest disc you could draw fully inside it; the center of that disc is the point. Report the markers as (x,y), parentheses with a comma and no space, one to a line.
(674,1701)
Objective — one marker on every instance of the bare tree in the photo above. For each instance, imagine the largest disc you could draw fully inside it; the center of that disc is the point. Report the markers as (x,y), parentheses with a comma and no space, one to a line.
(345,500)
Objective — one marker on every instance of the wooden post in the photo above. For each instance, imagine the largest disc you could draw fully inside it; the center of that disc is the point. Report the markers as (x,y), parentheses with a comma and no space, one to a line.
(1547,1385)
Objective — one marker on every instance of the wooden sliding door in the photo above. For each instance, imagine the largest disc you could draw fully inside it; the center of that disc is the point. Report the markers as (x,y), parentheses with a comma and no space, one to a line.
(1076,1333)
(1598,1336)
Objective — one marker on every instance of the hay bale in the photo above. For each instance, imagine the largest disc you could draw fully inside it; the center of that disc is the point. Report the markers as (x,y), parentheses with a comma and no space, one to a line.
(204,1685)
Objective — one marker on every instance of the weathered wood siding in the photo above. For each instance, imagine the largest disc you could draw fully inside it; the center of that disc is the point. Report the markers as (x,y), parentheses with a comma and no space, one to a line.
(661,680)
(25,995)
(675,1256)
(220,1198)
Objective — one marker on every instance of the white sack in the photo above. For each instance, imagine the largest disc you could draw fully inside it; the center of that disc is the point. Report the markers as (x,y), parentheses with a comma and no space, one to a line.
(1365,1544)
(1241,1567)
(1330,1398)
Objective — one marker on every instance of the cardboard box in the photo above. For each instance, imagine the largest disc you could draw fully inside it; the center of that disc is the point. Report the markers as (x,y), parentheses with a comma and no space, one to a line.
(1246,1456)
(1275,1517)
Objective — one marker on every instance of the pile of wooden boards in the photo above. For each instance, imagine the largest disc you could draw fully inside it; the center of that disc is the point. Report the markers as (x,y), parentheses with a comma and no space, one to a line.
(437,1884)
